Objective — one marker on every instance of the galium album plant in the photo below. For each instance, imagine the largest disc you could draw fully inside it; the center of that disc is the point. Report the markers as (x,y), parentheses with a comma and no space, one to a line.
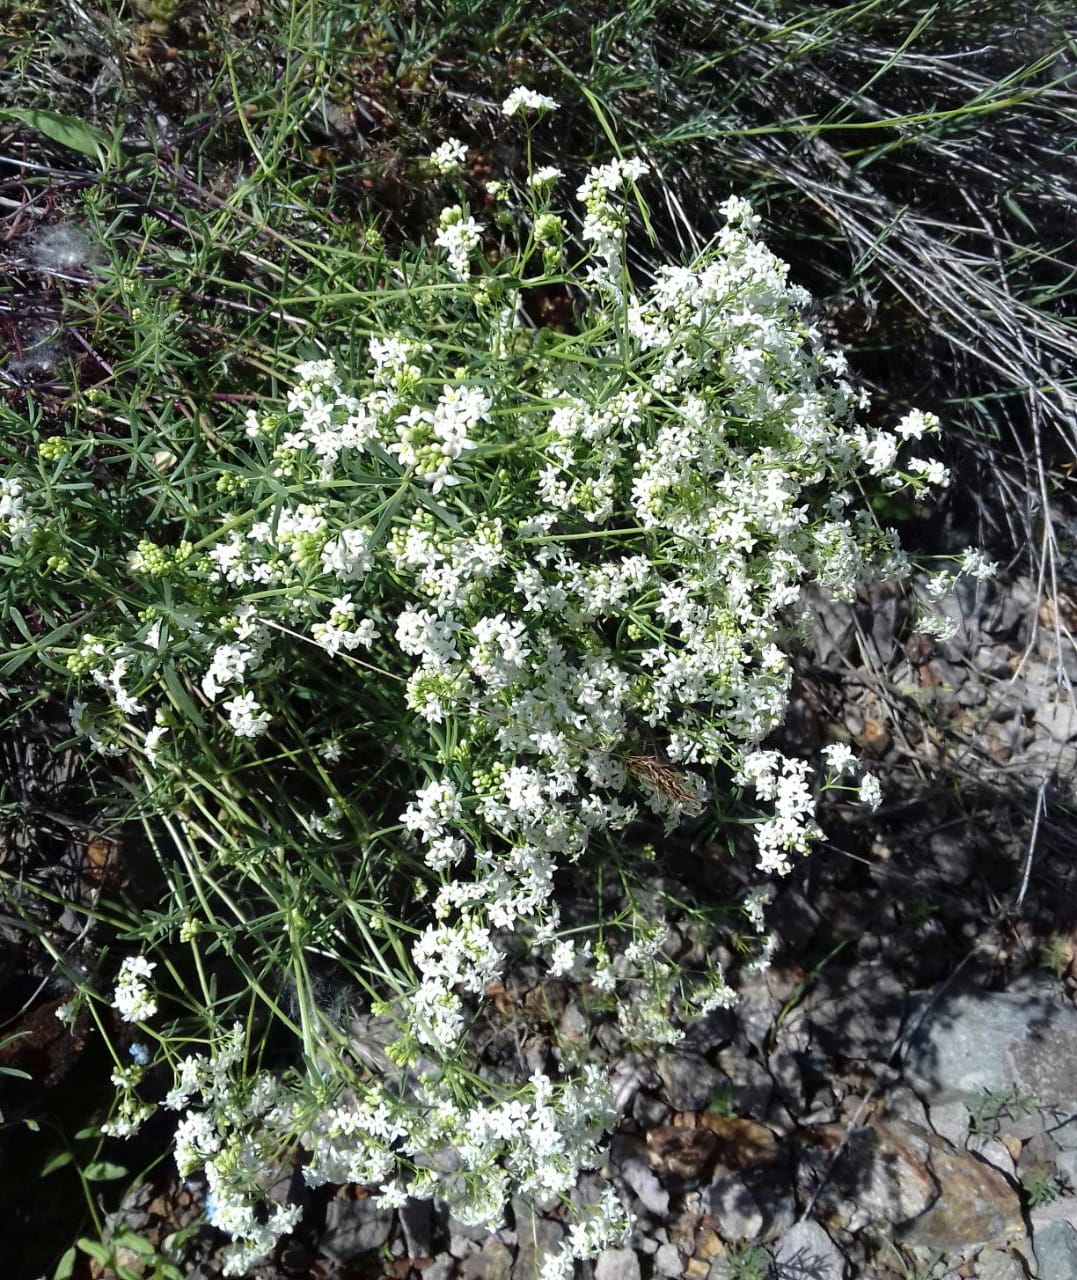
(474,602)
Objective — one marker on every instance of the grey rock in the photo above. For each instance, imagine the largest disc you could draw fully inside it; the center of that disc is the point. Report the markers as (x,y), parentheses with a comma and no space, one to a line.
(833,633)
(951,1120)
(631,1074)
(417,1224)
(855,1013)
(668,1261)
(998,1264)
(751,1082)
(648,1112)
(757,1008)
(1059,719)
(1055,1246)
(689,1081)
(1066,1164)
(629,1161)
(994,660)
(953,854)
(574,1024)
(971,694)
(1064,1132)
(617,1264)
(990,1149)
(732,1205)
(493,1262)
(537,1239)
(755,1204)
(949,675)
(354,1227)
(806,1252)
(472,1231)
(1004,616)
(966,1042)
(441,1268)
(461,1246)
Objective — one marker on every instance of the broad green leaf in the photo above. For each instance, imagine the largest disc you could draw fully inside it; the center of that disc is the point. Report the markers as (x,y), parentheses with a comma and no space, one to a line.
(65,1268)
(68,132)
(95,1249)
(57,1161)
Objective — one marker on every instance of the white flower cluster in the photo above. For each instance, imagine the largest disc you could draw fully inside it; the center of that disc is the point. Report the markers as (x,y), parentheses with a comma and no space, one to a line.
(459,235)
(132,999)
(568,573)
(17,521)
(449,156)
(521,100)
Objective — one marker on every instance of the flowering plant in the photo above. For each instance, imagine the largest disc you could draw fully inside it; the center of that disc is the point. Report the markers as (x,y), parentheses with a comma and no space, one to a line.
(478,599)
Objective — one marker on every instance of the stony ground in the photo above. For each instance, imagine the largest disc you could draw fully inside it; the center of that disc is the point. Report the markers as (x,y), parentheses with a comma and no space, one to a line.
(900,1101)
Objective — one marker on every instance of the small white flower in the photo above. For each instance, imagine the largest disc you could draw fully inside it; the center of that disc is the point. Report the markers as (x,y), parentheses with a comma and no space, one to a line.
(840,757)
(976,565)
(871,792)
(246,716)
(915,423)
(522,99)
(459,235)
(132,998)
(153,741)
(545,177)
(932,470)
(449,156)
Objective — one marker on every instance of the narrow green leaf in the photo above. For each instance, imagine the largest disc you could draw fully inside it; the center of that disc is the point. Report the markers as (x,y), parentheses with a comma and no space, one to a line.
(183,699)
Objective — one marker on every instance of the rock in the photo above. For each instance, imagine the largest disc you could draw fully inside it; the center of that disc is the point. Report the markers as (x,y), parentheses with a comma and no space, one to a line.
(730,1203)
(493,1262)
(631,1162)
(1064,1133)
(648,1111)
(806,1252)
(353,1227)
(895,1175)
(631,1074)
(976,1204)
(868,1175)
(833,630)
(668,1261)
(971,694)
(1059,719)
(971,1041)
(758,1007)
(856,1013)
(994,1152)
(1055,1246)
(1066,1164)
(689,1081)
(998,1264)
(953,854)
(994,660)
(417,1223)
(617,1264)
(757,1204)
(751,1083)
(441,1268)
(950,1120)
(538,1238)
